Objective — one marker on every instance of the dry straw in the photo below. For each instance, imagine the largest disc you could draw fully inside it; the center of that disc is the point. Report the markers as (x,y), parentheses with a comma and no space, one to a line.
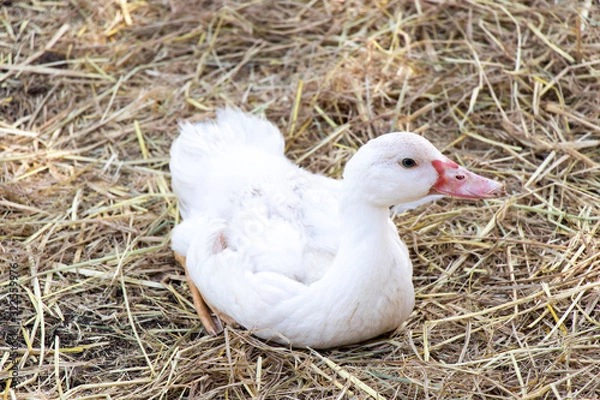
(508,299)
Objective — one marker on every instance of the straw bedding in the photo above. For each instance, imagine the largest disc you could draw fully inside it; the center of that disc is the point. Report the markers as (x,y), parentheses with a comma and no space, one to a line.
(508,290)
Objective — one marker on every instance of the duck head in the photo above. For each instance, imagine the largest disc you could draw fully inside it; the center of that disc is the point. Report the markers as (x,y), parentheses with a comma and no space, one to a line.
(402,167)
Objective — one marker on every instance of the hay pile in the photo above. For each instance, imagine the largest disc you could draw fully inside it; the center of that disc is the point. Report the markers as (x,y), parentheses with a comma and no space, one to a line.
(508,291)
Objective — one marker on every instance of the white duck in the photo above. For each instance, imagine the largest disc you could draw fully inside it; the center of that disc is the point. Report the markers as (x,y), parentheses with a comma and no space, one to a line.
(296,257)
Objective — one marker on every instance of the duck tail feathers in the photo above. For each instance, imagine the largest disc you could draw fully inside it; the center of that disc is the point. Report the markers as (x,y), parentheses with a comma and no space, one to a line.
(204,147)
(231,129)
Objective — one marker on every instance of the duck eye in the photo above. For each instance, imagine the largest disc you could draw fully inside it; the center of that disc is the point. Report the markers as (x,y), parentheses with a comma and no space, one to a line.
(408,163)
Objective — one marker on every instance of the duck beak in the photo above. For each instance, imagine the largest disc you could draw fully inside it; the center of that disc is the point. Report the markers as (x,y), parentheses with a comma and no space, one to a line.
(456,181)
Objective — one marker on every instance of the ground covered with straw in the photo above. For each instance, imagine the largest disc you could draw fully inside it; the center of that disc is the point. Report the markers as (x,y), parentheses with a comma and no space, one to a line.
(508,290)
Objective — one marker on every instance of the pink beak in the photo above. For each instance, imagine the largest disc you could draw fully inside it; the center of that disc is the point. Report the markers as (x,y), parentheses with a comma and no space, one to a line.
(456,181)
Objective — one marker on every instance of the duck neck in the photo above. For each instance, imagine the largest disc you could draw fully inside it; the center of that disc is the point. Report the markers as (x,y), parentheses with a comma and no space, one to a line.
(366,240)
(361,221)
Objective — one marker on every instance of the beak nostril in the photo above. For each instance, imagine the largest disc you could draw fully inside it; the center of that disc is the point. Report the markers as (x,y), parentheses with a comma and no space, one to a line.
(460,177)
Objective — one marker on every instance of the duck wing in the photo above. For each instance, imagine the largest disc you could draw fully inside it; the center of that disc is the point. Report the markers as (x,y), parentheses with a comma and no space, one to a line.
(256,229)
